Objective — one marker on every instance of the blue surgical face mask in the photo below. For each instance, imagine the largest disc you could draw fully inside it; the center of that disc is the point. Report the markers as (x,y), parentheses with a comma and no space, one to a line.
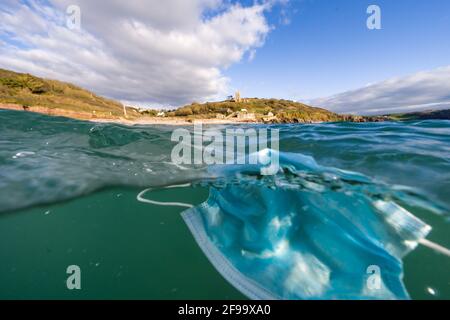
(308,232)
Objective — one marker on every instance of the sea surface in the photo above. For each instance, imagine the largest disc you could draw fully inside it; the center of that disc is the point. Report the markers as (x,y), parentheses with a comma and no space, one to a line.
(68,197)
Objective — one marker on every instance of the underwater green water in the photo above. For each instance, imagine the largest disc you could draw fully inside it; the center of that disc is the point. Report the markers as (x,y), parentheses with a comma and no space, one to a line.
(125,249)
(68,197)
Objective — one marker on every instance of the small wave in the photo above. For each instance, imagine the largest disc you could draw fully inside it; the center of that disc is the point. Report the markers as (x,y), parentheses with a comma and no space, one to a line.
(23,154)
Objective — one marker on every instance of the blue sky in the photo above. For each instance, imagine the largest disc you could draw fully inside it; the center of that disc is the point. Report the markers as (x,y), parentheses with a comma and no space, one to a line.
(327,48)
(163,54)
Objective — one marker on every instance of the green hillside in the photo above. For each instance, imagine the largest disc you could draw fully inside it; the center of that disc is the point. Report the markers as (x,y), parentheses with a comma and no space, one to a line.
(284,111)
(422,115)
(28,90)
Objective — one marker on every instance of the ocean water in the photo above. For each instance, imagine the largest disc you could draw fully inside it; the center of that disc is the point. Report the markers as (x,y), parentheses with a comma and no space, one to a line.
(68,196)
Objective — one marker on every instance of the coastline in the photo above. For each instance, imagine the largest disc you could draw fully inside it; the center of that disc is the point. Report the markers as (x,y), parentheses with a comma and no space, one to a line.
(132,119)
(145,120)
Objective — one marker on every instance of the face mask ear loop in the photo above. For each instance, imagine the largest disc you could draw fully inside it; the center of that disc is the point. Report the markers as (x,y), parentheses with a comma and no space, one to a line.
(168,204)
(436,247)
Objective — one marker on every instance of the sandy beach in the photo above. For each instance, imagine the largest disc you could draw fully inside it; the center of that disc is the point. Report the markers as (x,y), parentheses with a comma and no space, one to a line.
(144,120)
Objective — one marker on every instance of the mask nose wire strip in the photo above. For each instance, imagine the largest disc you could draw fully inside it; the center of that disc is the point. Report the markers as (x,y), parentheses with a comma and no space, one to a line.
(434,246)
(167,204)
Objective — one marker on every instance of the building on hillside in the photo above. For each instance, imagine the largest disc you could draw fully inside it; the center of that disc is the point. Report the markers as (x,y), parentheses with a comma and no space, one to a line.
(245,115)
(161,114)
(237,97)
(270,117)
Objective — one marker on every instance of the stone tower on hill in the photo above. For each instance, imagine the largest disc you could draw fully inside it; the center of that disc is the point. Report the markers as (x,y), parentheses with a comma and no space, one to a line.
(237,97)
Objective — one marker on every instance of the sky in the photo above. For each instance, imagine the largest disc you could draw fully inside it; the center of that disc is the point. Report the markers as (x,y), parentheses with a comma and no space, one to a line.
(161,54)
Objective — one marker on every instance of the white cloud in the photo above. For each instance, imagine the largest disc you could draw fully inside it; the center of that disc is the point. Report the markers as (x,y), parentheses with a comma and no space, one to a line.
(156,52)
(420,91)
